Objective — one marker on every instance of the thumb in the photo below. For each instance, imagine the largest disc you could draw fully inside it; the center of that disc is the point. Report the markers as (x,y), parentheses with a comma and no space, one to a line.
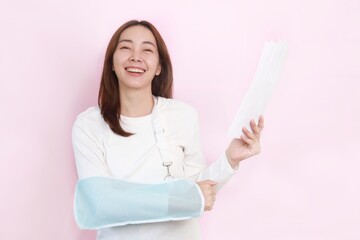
(210,182)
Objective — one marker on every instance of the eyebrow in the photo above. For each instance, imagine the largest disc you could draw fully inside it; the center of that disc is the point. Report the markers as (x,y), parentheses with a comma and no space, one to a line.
(130,41)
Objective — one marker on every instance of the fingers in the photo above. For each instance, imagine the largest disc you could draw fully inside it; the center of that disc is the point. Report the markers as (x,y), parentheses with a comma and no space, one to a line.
(209,192)
(251,137)
(261,122)
(256,129)
(245,138)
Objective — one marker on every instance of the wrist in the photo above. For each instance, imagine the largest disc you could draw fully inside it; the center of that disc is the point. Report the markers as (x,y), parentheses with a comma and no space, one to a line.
(233,163)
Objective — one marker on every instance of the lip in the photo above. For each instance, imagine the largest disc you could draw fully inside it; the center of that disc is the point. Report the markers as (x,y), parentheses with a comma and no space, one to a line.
(135,73)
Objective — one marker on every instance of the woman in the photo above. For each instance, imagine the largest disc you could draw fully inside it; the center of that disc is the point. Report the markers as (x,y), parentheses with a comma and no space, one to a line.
(138,157)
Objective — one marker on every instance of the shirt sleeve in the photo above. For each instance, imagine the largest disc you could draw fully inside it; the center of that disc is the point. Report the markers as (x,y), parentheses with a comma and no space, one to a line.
(88,150)
(103,201)
(193,158)
(219,171)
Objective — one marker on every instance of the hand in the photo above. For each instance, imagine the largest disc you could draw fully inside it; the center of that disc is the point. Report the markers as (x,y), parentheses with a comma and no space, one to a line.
(247,146)
(208,190)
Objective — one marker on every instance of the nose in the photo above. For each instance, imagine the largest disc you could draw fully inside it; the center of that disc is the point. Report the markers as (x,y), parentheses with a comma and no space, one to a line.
(135,57)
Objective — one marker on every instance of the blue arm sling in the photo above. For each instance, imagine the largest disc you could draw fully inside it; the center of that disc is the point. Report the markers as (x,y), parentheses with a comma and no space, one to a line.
(106,202)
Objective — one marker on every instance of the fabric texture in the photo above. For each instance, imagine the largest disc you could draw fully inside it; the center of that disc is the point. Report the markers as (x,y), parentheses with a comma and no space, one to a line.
(106,202)
(101,153)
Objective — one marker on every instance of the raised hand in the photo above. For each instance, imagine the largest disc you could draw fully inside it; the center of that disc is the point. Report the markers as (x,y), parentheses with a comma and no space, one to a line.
(247,146)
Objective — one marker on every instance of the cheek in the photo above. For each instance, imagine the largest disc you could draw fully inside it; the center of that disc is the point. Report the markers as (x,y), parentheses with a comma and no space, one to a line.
(119,59)
(153,62)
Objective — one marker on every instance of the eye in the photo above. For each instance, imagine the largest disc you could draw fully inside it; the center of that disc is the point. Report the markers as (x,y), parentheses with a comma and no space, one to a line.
(148,50)
(125,47)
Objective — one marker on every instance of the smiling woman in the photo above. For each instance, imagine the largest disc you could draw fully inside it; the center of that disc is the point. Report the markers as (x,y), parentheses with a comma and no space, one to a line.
(140,166)
(128,49)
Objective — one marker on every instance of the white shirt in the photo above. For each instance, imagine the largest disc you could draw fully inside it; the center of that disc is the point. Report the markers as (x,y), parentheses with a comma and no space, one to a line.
(100,152)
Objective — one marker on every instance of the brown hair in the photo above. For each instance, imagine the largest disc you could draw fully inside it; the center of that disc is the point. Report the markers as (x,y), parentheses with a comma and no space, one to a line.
(109,95)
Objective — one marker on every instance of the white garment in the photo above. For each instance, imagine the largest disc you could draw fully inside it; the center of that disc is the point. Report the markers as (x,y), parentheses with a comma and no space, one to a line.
(100,152)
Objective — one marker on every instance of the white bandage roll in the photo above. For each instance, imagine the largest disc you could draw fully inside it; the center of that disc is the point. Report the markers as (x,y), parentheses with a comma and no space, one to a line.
(262,86)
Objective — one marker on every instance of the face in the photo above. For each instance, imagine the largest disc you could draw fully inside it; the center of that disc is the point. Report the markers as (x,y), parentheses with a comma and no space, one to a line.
(136,59)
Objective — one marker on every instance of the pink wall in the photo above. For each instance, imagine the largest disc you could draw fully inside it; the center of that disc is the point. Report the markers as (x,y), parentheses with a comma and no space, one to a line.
(305,184)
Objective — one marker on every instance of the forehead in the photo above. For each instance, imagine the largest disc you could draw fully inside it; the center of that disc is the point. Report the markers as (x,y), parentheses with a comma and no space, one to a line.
(138,34)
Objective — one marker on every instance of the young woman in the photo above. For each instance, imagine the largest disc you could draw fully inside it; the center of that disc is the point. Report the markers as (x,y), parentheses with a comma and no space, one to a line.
(141,171)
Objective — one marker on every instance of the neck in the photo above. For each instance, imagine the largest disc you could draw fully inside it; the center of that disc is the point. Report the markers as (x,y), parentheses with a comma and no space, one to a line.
(136,104)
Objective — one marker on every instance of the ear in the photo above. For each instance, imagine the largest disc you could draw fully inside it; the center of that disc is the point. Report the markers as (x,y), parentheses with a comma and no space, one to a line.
(158,70)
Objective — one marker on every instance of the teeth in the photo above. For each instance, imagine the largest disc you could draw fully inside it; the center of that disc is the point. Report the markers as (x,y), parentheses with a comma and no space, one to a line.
(135,70)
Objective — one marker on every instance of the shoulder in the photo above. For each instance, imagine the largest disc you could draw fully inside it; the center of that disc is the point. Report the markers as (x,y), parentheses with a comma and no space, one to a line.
(177,114)
(90,119)
(92,113)
(176,107)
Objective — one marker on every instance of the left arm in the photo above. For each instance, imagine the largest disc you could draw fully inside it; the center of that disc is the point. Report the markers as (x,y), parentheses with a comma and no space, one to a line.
(221,170)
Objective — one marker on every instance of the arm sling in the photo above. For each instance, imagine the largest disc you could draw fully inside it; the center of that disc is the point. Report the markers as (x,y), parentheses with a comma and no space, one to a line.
(107,202)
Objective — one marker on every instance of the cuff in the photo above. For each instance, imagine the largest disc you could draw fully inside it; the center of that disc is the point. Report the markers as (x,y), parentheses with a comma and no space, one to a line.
(226,164)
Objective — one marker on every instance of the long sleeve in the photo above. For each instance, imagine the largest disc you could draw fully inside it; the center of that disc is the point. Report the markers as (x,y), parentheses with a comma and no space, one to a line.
(219,171)
(101,200)
(89,150)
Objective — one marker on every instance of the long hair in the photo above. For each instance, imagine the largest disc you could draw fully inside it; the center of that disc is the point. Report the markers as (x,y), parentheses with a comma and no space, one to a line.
(109,95)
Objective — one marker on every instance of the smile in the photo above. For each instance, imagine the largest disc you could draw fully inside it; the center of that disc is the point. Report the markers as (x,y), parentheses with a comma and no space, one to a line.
(135,70)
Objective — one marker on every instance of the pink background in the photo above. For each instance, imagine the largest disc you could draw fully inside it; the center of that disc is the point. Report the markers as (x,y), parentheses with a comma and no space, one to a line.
(304,185)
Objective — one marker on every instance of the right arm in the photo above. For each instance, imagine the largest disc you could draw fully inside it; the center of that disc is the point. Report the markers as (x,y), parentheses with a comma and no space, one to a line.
(103,201)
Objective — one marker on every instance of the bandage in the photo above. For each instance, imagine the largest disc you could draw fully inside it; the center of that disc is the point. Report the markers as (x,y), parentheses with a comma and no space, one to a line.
(107,202)
(262,86)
